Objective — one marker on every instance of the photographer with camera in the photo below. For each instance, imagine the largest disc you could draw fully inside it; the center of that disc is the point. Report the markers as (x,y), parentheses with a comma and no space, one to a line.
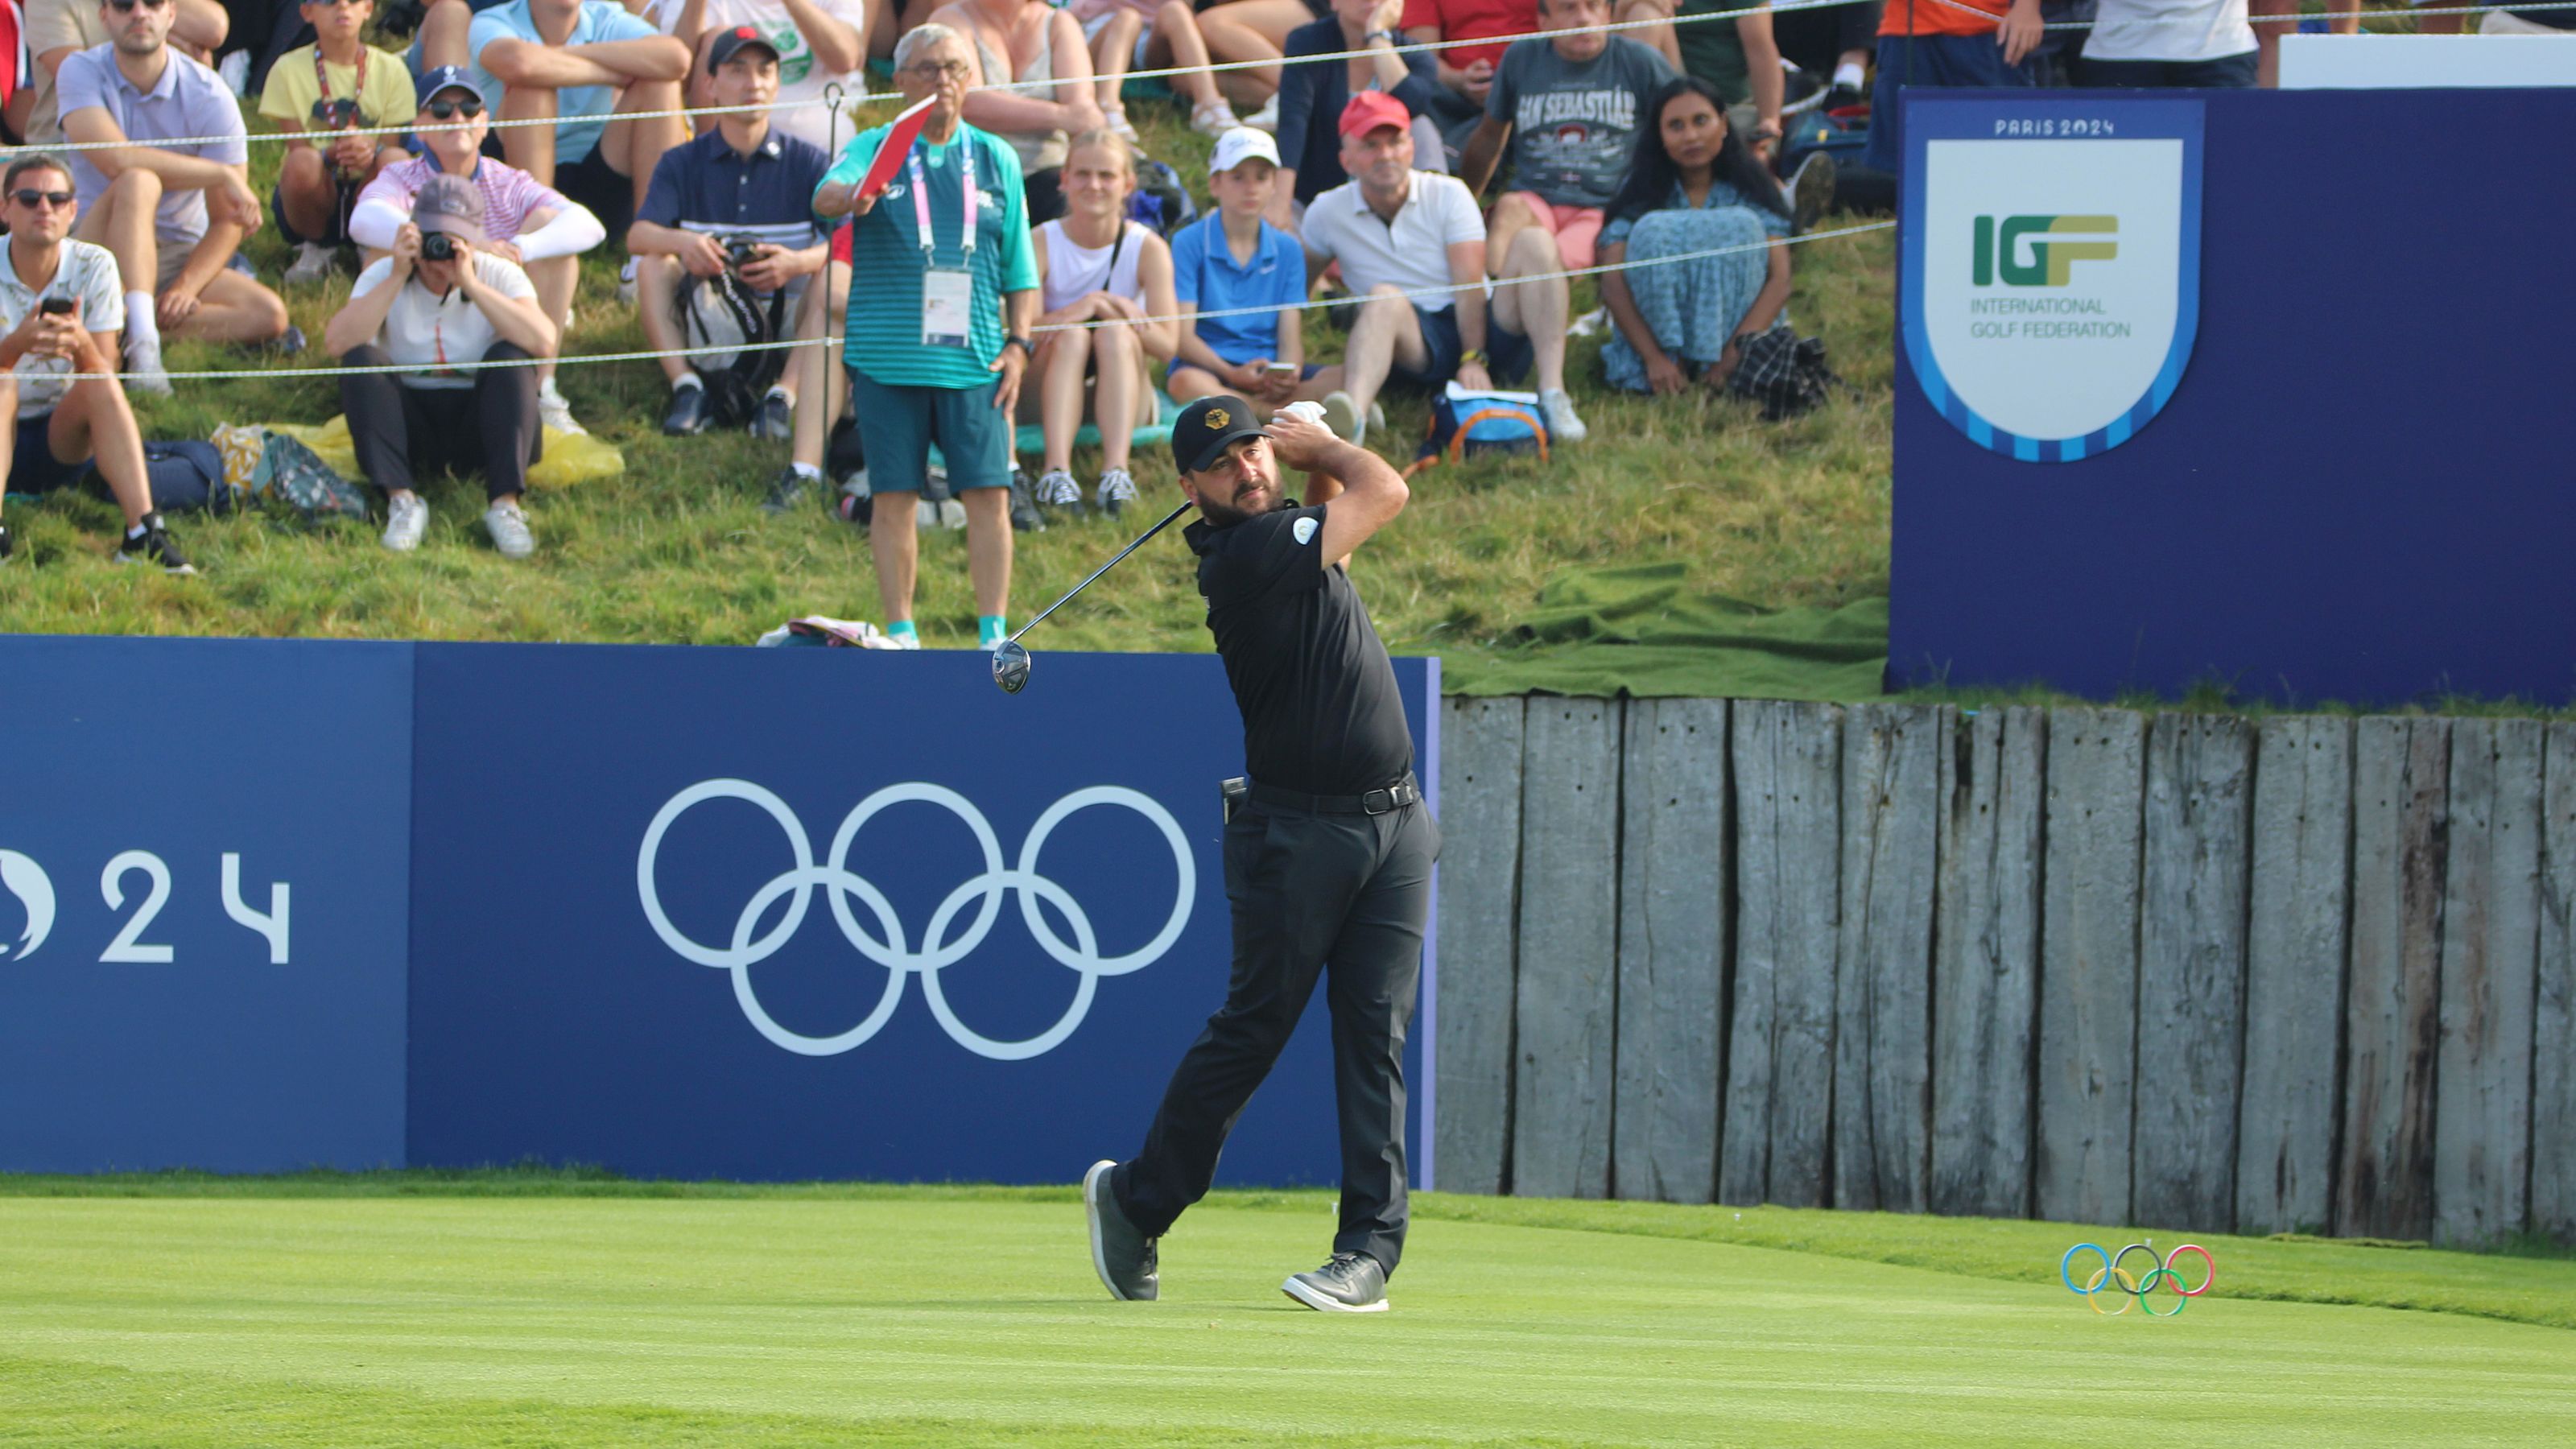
(726,233)
(326,90)
(442,297)
(530,224)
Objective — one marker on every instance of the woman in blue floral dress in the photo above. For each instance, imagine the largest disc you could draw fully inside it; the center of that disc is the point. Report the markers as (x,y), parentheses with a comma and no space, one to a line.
(1695,188)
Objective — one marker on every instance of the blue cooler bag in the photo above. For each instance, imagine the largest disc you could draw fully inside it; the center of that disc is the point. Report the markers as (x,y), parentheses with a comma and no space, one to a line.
(1470,424)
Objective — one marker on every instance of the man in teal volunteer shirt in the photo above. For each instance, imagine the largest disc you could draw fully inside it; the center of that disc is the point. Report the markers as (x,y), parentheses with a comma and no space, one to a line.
(938,336)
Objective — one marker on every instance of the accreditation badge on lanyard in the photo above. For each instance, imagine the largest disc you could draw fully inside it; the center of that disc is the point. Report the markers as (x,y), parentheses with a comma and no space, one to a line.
(947,293)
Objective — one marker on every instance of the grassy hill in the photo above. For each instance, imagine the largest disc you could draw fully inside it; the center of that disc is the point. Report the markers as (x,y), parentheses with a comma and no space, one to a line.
(677,551)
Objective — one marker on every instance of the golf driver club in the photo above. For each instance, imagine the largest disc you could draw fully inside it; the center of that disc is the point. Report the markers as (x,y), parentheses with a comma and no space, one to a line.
(1011,658)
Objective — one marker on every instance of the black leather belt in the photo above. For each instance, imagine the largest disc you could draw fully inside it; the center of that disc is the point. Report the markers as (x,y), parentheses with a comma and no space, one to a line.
(1387,798)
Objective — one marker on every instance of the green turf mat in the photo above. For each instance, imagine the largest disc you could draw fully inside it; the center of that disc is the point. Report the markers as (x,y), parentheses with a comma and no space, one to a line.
(1633,630)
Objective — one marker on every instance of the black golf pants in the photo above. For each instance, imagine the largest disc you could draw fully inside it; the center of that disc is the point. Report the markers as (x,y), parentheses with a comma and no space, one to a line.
(1343,897)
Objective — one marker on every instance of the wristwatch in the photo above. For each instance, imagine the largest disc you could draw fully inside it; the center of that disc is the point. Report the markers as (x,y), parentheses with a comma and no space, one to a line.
(1475,355)
(1022,343)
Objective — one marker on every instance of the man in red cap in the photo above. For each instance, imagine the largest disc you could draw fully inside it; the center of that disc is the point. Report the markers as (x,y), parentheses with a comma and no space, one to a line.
(1412,249)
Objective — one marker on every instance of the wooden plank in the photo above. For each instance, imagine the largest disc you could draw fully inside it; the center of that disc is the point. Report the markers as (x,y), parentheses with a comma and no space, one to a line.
(2553,1051)
(2294,974)
(2088,980)
(2191,970)
(1985,972)
(1779,1080)
(1480,827)
(1566,1010)
(2490,954)
(1672,950)
(1883,973)
(2401,796)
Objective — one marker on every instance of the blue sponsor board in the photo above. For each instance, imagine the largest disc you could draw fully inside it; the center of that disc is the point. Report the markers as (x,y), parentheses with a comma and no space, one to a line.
(690,912)
(204,877)
(756,914)
(2354,489)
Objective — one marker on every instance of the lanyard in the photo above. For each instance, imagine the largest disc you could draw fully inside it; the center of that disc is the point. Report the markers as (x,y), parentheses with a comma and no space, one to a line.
(921,198)
(357,96)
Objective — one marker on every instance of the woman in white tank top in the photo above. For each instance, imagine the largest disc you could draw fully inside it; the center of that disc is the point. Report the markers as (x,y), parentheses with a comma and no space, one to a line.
(1096,266)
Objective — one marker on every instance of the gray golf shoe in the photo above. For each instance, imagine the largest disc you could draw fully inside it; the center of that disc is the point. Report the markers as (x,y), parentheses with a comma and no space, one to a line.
(1350,1283)
(1123,1257)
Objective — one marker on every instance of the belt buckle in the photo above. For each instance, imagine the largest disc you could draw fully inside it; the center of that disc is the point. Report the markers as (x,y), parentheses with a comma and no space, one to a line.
(1369,801)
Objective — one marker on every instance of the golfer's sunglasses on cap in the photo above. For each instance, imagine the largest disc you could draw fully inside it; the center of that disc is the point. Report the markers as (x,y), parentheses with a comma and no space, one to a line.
(469,108)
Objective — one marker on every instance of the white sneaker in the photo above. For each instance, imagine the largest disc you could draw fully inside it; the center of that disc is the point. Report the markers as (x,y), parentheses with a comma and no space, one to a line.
(407,518)
(947,513)
(1558,410)
(1056,489)
(313,263)
(145,373)
(1117,490)
(234,71)
(626,284)
(1117,124)
(509,529)
(1217,119)
(1267,118)
(1596,320)
(1343,416)
(554,412)
(905,641)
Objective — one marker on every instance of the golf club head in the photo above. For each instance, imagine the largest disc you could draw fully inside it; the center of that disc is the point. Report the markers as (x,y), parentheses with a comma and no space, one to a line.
(1011,666)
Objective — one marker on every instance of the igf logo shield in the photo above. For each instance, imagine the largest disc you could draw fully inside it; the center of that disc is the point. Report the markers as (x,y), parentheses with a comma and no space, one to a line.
(2051,258)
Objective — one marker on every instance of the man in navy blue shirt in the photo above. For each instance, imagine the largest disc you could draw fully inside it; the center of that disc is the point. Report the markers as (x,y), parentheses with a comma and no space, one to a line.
(735,200)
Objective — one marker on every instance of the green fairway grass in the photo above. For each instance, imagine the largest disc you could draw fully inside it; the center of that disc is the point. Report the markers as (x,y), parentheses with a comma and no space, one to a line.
(536,1309)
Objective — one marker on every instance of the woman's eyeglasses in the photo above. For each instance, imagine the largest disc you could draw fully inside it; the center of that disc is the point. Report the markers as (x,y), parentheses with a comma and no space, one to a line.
(30,198)
(444,110)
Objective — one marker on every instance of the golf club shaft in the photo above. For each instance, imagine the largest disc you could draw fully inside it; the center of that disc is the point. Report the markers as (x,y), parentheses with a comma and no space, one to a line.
(1104,568)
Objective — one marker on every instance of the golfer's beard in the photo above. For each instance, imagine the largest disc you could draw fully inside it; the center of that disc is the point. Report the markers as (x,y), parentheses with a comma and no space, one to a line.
(1226,515)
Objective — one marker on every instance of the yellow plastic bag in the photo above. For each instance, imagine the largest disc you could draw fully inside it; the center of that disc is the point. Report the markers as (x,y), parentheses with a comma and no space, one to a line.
(569,457)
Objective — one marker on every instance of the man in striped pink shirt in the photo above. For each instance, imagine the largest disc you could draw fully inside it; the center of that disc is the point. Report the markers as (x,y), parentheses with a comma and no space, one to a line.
(529,223)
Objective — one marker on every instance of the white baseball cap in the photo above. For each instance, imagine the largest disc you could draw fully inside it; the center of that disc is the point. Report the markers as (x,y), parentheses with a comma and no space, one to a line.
(1240,145)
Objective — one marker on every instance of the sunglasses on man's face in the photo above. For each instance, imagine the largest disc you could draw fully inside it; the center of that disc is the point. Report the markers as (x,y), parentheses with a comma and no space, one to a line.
(128,7)
(30,198)
(444,110)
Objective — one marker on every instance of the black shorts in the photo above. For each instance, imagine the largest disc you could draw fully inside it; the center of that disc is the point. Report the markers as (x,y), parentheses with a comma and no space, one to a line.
(33,468)
(589,182)
(1507,354)
(335,234)
(594,183)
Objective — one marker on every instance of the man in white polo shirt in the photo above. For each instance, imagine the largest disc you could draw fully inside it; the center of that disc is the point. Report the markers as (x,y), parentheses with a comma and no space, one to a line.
(1412,249)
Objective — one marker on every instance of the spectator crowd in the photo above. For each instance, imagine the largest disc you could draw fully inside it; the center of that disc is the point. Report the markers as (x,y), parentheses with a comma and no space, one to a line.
(1017,259)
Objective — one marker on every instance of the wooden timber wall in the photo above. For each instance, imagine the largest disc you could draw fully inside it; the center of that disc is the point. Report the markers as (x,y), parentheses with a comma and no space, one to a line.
(2186,971)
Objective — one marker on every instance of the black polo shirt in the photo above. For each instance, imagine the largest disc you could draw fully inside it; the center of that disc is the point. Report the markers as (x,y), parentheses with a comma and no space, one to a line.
(1321,713)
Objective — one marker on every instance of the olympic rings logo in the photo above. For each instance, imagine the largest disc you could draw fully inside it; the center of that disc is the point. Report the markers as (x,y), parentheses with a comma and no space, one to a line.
(2114,1278)
(939,947)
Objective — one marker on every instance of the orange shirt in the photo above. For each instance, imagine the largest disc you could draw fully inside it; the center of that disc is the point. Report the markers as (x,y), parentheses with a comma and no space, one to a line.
(1941,17)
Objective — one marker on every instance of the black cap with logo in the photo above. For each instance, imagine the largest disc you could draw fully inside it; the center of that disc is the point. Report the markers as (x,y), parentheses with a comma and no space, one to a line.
(1207,427)
(732,43)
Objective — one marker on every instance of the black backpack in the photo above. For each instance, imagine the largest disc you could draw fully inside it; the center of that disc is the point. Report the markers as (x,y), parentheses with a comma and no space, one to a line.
(722,323)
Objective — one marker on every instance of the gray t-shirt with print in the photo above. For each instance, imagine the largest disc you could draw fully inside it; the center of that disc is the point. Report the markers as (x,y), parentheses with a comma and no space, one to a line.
(1574,124)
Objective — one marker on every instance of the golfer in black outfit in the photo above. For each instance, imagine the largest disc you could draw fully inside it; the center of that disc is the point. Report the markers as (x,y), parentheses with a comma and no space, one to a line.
(1327,861)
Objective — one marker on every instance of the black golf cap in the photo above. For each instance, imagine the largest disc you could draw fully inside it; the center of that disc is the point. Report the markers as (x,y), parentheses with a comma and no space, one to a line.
(1208,427)
(732,43)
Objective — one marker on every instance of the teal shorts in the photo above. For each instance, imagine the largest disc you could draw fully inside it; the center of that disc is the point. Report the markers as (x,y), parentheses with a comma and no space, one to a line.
(898,425)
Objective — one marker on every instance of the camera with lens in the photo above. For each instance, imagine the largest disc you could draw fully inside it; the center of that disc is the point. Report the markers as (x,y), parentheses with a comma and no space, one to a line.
(337,115)
(740,253)
(438,246)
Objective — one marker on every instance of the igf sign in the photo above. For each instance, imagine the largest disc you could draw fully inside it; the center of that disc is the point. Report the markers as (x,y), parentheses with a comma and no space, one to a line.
(2051,266)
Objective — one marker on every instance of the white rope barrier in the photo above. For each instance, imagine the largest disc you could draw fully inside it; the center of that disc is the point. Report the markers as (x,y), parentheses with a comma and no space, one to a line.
(1308,305)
